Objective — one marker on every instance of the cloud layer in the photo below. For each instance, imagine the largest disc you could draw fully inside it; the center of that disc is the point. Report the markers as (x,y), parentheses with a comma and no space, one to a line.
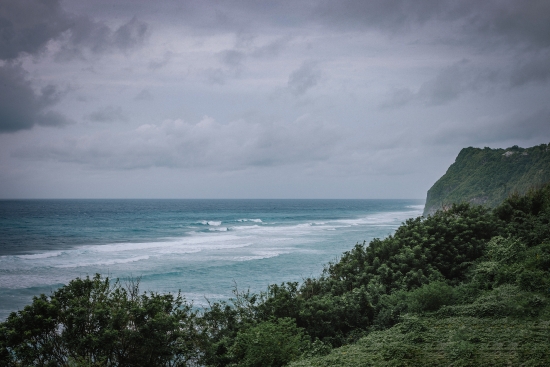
(351,98)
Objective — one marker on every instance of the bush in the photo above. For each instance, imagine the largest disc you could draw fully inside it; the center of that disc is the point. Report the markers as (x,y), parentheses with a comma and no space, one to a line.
(269,344)
(431,297)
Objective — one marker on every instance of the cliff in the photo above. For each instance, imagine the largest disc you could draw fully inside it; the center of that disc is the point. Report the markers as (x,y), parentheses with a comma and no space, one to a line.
(488,176)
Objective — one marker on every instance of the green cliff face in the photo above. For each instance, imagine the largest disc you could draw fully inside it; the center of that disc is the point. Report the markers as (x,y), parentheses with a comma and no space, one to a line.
(488,176)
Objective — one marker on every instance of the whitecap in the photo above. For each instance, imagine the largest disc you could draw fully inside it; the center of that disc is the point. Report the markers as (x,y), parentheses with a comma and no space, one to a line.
(219,229)
(104,262)
(259,255)
(43,255)
(210,222)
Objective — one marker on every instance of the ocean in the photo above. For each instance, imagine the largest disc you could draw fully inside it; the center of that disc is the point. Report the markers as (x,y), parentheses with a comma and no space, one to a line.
(203,248)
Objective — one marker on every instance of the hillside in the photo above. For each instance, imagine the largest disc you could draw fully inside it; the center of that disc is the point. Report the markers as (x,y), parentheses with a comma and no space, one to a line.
(497,314)
(488,176)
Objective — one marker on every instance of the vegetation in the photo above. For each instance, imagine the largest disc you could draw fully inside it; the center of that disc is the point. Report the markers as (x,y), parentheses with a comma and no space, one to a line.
(488,176)
(467,286)
(93,322)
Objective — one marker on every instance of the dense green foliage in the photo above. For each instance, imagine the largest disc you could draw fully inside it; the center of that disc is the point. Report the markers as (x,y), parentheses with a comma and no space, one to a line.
(93,322)
(465,286)
(270,343)
(452,341)
(493,311)
(488,176)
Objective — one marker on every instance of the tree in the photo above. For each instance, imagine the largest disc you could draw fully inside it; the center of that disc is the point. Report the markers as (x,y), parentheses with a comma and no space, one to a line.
(94,322)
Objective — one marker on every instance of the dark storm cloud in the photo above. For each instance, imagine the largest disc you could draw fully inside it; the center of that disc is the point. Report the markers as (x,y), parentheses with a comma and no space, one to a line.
(86,35)
(304,78)
(107,114)
(26,27)
(20,106)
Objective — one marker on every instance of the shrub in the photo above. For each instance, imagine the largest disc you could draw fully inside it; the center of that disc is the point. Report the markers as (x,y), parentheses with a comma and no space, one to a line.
(431,297)
(269,344)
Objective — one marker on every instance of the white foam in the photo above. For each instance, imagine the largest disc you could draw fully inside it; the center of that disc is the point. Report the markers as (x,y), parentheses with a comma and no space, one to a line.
(252,240)
(43,255)
(17,281)
(250,220)
(210,222)
(104,262)
(219,229)
(259,255)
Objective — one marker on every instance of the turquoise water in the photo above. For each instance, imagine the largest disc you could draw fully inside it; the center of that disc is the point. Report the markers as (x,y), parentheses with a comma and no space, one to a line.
(201,247)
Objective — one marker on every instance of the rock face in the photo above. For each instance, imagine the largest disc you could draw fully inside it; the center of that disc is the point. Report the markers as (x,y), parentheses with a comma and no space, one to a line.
(488,176)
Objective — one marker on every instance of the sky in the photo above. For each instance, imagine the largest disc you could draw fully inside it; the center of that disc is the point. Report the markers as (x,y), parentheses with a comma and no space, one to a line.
(263,99)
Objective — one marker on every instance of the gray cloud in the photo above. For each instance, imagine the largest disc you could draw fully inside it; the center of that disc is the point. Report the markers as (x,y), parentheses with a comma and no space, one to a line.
(456,73)
(509,21)
(486,22)
(129,35)
(514,22)
(509,128)
(215,76)
(157,64)
(398,97)
(304,78)
(232,58)
(271,49)
(446,86)
(107,114)
(144,95)
(177,144)
(21,107)
(534,69)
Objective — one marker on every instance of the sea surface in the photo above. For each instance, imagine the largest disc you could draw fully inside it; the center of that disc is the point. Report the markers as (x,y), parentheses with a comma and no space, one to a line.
(202,247)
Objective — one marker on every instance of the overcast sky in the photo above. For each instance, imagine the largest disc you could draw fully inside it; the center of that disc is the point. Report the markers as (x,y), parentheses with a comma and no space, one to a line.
(263,99)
